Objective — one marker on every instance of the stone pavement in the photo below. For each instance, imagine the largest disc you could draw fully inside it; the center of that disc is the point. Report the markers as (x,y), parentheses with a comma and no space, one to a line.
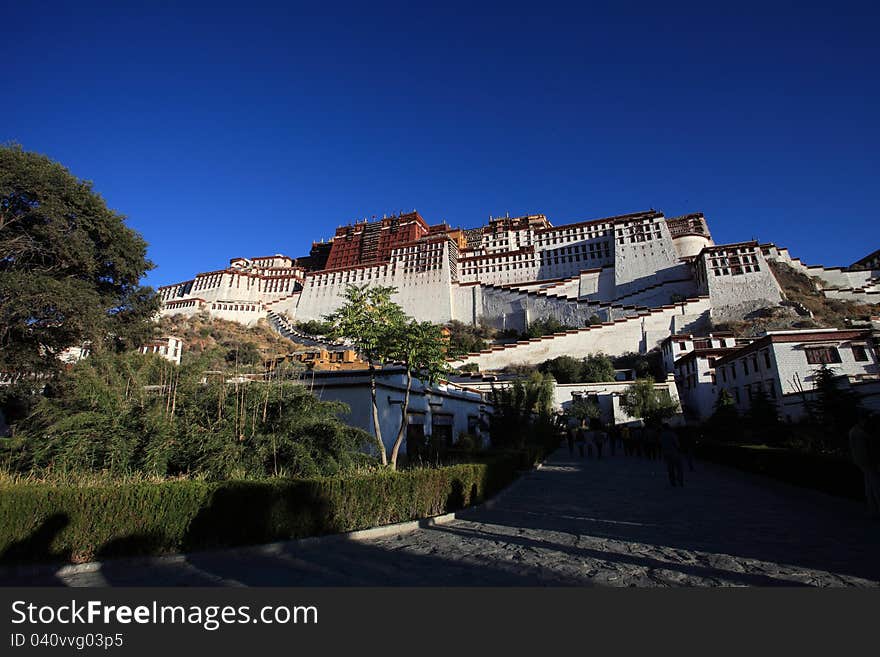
(580,522)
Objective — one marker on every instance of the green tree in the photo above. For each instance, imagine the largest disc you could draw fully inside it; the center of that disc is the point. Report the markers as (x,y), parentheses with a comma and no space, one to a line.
(564,369)
(763,418)
(724,423)
(521,411)
(69,267)
(466,339)
(139,414)
(643,400)
(421,347)
(584,410)
(834,407)
(546,326)
(597,368)
(370,320)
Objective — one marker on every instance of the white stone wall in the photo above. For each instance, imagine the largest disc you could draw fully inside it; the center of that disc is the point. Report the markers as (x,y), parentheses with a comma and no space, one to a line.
(643,254)
(787,370)
(638,334)
(736,290)
(352,388)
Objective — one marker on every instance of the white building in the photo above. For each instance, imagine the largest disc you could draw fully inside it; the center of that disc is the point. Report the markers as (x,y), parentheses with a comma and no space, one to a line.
(439,412)
(168,347)
(784,364)
(606,394)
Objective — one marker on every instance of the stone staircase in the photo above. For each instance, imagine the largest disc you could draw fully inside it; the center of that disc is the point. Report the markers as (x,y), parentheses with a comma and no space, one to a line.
(640,333)
(282,326)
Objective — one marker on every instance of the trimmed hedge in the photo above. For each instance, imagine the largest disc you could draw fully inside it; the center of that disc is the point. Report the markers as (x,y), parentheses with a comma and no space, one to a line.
(835,476)
(47,522)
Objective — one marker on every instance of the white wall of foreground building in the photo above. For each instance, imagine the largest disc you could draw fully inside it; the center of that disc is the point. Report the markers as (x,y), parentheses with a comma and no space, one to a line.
(466,411)
(779,364)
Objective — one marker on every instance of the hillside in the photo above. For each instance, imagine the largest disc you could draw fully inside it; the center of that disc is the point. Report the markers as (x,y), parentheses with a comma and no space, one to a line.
(202,333)
(804,297)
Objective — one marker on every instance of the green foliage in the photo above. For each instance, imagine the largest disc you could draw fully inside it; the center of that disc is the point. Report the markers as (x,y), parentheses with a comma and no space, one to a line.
(243,354)
(466,339)
(724,424)
(370,320)
(80,523)
(584,410)
(69,267)
(131,413)
(547,326)
(763,419)
(645,365)
(315,327)
(565,369)
(834,408)
(469,367)
(522,412)
(643,400)
(597,368)
(421,347)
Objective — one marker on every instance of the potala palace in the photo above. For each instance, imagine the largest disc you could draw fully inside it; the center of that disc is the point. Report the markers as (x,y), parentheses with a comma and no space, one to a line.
(626,282)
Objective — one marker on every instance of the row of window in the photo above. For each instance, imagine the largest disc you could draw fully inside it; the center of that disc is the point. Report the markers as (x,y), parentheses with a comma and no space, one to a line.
(249,307)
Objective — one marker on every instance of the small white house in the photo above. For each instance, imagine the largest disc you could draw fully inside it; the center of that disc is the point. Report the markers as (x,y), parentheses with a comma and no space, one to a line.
(442,411)
(784,364)
(169,347)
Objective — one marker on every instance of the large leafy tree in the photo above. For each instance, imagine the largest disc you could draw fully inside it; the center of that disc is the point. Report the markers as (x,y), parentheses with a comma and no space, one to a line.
(643,400)
(421,347)
(69,267)
(370,320)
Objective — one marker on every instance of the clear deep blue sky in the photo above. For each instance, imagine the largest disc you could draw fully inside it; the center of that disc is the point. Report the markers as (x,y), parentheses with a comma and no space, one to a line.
(252,130)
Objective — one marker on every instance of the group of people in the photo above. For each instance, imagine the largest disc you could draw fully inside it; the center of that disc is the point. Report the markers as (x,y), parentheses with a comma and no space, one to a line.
(655,441)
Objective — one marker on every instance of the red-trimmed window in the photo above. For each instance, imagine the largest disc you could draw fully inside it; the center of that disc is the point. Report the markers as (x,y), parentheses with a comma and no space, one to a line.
(822,355)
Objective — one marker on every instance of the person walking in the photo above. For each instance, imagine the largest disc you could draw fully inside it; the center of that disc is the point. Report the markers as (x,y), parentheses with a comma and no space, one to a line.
(671,449)
(599,438)
(863,449)
(688,445)
(569,437)
(581,440)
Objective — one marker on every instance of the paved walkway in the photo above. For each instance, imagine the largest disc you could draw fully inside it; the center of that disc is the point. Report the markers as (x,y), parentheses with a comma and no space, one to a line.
(613,522)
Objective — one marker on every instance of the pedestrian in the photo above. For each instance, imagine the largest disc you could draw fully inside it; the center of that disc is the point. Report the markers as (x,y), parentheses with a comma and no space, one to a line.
(626,439)
(581,440)
(652,441)
(599,438)
(638,438)
(569,436)
(671,448)
(612,439)
(864,452)
(687,447)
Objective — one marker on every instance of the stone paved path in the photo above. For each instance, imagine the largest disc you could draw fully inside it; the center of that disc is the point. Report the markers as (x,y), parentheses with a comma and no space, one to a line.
(613,522)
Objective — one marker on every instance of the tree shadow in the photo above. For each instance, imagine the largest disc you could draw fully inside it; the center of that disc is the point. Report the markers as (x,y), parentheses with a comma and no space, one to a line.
(38,547)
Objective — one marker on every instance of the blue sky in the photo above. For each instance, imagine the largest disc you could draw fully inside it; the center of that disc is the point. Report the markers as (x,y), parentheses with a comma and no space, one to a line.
(254,129)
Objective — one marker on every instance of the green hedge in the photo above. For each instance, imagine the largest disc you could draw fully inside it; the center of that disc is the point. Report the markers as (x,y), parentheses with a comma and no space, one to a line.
(836,476)
(46,522)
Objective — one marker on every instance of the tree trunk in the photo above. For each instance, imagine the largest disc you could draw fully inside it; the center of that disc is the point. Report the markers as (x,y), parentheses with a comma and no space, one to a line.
(404,412)
(377,430)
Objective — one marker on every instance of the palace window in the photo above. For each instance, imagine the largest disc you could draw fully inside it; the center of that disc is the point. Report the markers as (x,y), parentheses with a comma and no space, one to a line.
(822,355)
(860,354)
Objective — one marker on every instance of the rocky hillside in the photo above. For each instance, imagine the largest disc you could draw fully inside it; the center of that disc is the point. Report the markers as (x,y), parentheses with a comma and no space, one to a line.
(227,340)
(805,307)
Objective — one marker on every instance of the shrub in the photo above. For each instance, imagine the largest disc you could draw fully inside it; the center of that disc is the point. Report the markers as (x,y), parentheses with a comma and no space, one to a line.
(41,521)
